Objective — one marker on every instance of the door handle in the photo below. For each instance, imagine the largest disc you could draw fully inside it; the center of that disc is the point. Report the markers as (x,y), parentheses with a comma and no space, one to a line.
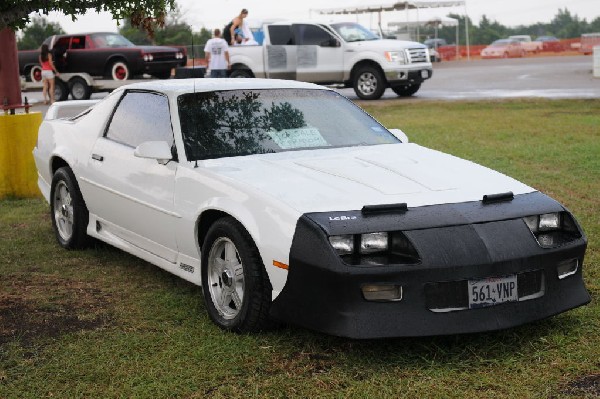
(97,157)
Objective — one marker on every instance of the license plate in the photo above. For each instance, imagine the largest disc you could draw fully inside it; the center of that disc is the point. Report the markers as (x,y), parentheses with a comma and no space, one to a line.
(492,291)
(424,73)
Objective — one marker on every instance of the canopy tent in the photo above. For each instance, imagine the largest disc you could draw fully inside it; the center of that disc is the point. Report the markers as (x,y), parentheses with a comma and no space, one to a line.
(436,22)
(398,6)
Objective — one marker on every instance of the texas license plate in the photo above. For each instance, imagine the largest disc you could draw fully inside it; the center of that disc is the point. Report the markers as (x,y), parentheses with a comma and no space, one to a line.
(492,291)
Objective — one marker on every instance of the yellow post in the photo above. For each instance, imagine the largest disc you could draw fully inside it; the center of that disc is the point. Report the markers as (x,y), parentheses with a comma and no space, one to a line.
(18,174)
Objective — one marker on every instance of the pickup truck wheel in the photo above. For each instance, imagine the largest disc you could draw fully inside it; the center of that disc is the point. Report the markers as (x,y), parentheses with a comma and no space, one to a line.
(240,73)
(118,70)
(406,91)
(235,285)
(61,90)
(69,213)
(368,83)
(34,74)
(79,89)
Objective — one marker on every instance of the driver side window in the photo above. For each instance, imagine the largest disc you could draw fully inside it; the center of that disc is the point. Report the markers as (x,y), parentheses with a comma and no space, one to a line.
(141,117)
(308,35)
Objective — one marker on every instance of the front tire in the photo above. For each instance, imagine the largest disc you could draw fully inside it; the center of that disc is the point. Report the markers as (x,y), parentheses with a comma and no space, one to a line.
(69,214)
(118,70)
(61,90)
(369,83)
(406,91)
(235,285)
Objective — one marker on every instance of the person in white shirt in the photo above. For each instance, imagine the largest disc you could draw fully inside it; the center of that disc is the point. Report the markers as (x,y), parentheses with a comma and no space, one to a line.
(216,52)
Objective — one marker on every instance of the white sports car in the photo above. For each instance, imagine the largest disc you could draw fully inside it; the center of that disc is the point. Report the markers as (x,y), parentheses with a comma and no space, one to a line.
(287,202)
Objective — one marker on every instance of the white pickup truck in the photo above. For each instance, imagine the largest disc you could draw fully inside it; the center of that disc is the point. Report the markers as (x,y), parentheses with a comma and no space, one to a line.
(529,45)
(336,53)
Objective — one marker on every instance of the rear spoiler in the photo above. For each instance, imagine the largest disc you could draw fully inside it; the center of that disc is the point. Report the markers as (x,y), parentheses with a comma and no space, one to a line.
(68,109)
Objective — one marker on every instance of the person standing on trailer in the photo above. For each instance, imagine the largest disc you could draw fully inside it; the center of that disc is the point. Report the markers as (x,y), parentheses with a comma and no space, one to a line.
(235,27)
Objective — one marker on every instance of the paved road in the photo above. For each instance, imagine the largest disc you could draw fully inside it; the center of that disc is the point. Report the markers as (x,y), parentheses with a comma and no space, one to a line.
(547,77)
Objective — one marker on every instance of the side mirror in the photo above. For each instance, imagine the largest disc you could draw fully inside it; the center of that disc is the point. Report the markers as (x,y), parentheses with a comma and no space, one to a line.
(399,134)
(159,150)
(333,42)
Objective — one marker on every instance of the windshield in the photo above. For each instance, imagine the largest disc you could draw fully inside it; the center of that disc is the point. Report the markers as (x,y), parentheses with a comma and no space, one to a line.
(501,43)
(110,40)
(244,122)
(352,32)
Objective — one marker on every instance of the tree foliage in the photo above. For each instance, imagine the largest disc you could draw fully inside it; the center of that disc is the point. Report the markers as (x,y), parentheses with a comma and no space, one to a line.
(36,32)
(15,14)
(564,25)
(175,32)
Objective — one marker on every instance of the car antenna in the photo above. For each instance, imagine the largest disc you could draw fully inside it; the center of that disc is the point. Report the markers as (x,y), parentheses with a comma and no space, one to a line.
(193,65)
(193,75)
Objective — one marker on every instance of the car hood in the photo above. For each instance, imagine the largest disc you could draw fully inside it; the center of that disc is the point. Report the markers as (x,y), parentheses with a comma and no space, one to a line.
(349,178)
(386,44)
(495,48)
(158,49)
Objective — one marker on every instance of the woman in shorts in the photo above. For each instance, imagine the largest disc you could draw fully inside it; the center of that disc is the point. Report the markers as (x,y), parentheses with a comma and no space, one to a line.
(48,73)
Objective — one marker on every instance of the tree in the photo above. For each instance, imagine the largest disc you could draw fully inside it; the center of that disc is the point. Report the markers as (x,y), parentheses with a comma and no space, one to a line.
(488,31)
(15,14)
(135,35)
(176,32)
(567,25)
(35,33)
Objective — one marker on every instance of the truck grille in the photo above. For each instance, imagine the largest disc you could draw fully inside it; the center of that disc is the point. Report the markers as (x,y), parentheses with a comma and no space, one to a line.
(416,55)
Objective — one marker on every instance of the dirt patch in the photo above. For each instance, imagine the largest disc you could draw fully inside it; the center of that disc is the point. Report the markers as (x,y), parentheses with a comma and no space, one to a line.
(588,386)
(36,307)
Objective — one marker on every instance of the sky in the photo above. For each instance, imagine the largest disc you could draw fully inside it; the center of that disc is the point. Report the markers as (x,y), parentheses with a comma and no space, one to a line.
(215,14)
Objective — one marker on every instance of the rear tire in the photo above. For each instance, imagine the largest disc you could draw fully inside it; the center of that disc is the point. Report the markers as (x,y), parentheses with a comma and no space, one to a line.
(406,91)
(240,73)
(369,83)
(34,74)
(235,285)
(68,211)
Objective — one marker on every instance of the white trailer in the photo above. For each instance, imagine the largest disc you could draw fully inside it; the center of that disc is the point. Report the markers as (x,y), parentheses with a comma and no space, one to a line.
(79,85)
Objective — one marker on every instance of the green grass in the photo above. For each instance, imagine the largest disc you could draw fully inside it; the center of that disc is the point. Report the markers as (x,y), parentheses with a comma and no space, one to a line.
(101,323)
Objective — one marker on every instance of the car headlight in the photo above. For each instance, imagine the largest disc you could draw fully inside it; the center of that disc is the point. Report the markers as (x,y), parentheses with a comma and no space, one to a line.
(373,242)
(378,248)
(553,229)
(395,56)
(148,57)
(343,244)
